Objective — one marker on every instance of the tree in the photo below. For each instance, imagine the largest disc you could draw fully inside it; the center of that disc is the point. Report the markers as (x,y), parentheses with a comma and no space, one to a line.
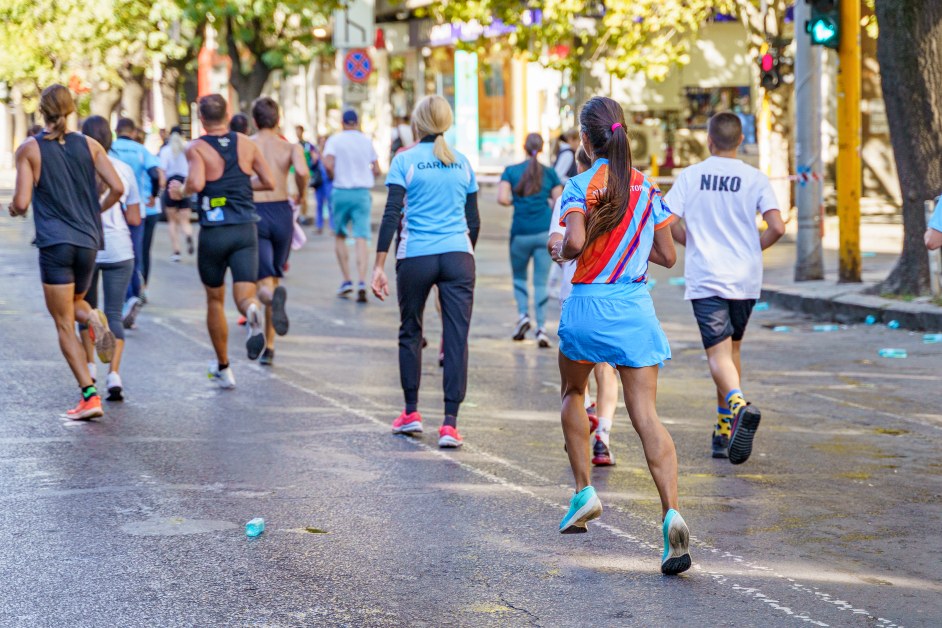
(911,71)
(262,36)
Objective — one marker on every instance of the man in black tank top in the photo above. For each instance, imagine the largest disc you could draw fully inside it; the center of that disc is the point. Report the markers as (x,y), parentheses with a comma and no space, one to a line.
(220,163)
(56,172)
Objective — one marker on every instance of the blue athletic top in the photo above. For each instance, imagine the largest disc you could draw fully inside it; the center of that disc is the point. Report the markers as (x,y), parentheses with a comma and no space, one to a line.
(532,214)
(66,209)
(227,200)
(935,222)
(141,160)
(435,221)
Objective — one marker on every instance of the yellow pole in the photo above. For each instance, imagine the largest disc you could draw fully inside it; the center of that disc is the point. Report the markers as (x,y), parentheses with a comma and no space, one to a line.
(655,167)
(848,142)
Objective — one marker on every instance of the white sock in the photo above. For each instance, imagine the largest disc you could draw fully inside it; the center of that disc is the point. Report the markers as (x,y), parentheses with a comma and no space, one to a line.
(92,370)
(588,400)
(605,426)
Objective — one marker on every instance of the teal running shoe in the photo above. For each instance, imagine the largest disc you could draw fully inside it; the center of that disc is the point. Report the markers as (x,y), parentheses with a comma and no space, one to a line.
(583,507)
(676,557)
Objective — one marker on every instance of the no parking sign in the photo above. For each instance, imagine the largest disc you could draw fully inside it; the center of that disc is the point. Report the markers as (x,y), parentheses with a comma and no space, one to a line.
(357,65)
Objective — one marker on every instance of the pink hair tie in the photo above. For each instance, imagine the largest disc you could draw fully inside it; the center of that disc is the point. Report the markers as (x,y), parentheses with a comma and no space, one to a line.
(617,125)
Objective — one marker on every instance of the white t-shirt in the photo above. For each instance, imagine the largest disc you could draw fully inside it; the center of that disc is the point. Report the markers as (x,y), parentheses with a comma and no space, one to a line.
(118,246)
(718,200)
(568,268)
(173,165)
(353,153)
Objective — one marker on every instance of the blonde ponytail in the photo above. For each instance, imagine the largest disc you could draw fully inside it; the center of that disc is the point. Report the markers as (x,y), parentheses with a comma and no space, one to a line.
(433,116)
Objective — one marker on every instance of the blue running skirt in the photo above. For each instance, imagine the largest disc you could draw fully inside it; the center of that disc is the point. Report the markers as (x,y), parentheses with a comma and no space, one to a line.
(612,323)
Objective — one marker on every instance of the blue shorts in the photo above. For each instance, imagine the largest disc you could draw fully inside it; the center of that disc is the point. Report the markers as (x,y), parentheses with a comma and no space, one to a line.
(351,206)
(275,230)
(612,323)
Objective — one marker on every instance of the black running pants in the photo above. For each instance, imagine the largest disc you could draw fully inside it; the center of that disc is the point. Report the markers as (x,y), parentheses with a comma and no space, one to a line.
(454,274)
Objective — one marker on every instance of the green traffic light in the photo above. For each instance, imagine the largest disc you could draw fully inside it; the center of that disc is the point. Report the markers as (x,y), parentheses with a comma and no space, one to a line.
(823,31)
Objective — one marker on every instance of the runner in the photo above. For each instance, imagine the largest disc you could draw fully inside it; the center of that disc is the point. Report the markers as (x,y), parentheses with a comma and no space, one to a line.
(532,189)
(115,263)
(351,162)
(276,218)
(55,171)
(149,179)
(615,223)
(436,248)
(173,162)
(566,147)
(220,163)
(239,124)
(718,200)
(606,378)
(312,157)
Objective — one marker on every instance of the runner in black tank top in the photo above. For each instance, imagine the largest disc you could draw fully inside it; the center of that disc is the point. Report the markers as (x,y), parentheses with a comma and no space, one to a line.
(228,238)
(56,172)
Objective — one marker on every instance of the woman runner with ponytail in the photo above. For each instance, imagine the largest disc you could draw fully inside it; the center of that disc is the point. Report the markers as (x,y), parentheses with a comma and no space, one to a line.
(615,224)
(436,248)
(532,189)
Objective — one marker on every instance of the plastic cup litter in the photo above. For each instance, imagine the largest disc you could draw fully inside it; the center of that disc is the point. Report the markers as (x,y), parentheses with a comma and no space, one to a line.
(894,324)
(255,527)
(892,353)
(826,327)
(761,306)
(870,320)
(931,339)
(784,329)
(677,281)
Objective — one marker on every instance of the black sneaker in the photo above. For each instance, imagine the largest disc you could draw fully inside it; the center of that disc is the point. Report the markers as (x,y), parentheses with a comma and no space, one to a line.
(361,293)
(189,245)
(268,357)
(720,445)
(745,425)
(602,455)
(279,318)
(523,326)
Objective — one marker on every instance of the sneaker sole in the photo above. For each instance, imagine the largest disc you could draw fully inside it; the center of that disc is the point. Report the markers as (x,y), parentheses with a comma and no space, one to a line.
(604,461)
(87,414)
(361,296)
(279,318)
(578,524)
(115,394)
(128,321)
(740,444)
(104,337)
(723,454)
(449,442)
(522,332)
(545,344)
(679,559)
(255,343)
(408,428)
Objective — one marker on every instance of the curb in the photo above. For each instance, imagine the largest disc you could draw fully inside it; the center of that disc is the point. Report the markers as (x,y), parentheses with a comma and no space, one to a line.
(854,307)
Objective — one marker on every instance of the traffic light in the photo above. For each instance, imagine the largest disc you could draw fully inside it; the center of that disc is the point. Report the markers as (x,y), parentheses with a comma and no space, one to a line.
(769,74)
(825,23)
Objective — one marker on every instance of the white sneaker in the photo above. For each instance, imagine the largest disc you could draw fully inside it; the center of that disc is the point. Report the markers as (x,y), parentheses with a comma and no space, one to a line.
(523,326)
(543,339)
(224,378)
(255,325)
(132,308)
(115,389)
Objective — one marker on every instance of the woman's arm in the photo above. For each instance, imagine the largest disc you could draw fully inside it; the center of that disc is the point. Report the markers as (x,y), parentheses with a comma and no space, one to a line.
(574,240)
(473,217)
(554,194)
(108,174)
(395,199)
(663,252)
(505,194)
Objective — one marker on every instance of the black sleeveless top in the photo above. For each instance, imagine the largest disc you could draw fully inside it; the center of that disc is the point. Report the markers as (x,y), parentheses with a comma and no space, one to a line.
(228,199)
(65,199)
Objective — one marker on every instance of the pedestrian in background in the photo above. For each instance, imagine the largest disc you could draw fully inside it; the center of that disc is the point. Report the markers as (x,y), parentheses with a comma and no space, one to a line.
(150,179)
(351,163)
(718,200)
(933,236)
(436,248)
(115,262)
(323,192)
(565,164)
(56,172)
(312,157)
(239,123)
(615,225)
(173,162)
(532,189)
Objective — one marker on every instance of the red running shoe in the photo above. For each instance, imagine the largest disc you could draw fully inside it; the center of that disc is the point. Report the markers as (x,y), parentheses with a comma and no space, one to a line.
(449,438)
(408,423)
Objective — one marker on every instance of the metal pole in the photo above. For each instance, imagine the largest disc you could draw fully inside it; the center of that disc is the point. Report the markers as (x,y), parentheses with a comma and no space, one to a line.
(809,264)
(848,142)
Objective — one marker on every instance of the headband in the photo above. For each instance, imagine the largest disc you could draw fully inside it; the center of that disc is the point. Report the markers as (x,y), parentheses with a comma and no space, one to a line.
(617,125)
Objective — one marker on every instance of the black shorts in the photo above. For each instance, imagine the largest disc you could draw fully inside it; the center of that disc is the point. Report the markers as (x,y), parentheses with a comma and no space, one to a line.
(228,246)
(62,264)
(721,318)
(169,203)
(275,231)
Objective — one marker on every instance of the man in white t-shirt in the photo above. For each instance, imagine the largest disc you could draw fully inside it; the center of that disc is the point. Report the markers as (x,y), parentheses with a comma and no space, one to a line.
(350,160)
(718,200)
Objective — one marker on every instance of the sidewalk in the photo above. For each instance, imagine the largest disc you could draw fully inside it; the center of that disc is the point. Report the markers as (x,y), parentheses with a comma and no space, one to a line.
(881,238)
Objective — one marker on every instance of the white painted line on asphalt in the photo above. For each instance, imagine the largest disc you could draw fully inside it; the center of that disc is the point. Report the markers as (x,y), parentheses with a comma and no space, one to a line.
(753,592)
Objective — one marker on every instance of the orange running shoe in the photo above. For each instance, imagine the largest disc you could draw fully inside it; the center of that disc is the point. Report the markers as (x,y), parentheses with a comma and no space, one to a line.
(86,409)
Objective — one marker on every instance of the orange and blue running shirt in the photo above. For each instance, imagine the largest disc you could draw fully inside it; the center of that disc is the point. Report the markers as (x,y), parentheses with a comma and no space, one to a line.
(620,256)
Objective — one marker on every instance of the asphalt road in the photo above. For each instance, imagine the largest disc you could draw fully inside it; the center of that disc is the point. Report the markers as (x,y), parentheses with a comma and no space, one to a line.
(136,519)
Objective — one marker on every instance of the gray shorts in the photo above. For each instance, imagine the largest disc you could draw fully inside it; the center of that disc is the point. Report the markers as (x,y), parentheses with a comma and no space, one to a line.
(721,318)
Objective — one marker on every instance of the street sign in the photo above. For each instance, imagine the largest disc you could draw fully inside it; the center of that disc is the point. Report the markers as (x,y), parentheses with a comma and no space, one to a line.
(357,66)
(354,26)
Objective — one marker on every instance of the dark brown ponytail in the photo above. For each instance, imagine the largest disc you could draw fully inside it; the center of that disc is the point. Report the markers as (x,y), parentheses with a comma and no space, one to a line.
(55,105)
(532,180)
(603,121)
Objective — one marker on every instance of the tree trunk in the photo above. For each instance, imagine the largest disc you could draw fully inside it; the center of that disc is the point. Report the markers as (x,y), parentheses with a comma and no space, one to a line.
(132,97)
(248,85)
(105,98)
(169,94)
(911,69)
